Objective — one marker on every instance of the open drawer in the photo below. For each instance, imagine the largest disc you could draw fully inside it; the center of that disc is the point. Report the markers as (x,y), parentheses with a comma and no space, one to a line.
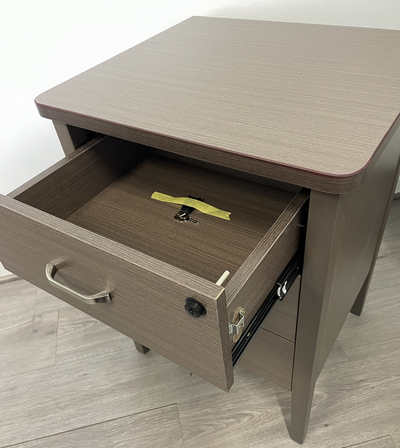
(91,221)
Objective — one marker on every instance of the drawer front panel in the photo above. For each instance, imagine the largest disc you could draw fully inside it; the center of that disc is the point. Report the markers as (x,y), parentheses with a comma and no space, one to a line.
(270,357)
(148,296)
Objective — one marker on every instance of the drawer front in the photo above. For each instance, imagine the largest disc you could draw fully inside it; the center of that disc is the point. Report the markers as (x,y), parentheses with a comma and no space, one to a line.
(148,296)
(270,357)
(148,290)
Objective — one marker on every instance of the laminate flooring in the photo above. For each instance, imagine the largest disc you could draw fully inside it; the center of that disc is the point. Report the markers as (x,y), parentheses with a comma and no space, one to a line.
(67,380)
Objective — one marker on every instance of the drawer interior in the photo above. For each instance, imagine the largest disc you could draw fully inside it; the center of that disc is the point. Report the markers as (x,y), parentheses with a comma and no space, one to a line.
(125,212)
(119,206)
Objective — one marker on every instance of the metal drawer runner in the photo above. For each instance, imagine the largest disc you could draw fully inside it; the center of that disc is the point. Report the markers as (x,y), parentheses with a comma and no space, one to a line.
(278,292)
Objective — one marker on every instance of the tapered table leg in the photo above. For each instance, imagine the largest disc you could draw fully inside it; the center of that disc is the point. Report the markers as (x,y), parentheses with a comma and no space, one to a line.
(71,137)
(312,314)
(141,348)
(359,303)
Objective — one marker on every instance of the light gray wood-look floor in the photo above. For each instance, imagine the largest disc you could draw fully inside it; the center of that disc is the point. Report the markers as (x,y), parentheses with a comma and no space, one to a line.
(67,380)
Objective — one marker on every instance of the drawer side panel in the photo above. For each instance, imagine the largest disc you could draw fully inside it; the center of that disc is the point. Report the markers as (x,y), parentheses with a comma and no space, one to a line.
(74,180)
(260,272)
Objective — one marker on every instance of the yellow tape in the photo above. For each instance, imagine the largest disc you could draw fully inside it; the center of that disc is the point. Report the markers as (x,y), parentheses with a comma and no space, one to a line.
(198,205)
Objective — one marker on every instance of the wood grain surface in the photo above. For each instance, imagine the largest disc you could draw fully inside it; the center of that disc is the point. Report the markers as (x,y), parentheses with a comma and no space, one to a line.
(382,442)
(270,357)
(72,138)
(260,272)
(347,231)
(158,427)
(36,336)
(356,244)
(125,212)
(31,238)
(74,180)
(27,340)
(77,331)
(306,104)
(85,392)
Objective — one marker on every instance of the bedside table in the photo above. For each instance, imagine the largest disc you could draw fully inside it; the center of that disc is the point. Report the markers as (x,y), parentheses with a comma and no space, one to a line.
(293,129)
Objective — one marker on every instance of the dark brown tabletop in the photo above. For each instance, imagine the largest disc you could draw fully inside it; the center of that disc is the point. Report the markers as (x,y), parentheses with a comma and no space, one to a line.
(306,104)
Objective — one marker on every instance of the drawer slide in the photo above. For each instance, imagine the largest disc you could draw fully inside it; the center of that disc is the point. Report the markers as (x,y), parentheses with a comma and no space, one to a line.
(278,292)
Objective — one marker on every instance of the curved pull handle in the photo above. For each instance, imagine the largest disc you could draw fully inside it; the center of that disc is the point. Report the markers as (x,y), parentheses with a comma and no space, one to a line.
(101,297)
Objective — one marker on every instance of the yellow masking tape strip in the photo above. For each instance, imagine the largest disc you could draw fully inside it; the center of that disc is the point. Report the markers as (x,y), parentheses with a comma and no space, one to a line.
(198,205)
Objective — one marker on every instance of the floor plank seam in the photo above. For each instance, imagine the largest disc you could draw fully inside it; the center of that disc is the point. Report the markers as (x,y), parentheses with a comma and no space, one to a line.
(12,375)
(392,438)
(93,424)
(369,440)
(180,424)
(55,354)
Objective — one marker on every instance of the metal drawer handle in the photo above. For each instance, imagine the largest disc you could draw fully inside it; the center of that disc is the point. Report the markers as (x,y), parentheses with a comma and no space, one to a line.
(101,297)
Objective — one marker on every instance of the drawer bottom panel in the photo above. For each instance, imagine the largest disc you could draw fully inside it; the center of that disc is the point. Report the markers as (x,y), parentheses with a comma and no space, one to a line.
(270,357)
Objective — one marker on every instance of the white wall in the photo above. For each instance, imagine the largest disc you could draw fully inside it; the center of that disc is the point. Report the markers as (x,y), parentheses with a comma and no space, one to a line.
(43,43)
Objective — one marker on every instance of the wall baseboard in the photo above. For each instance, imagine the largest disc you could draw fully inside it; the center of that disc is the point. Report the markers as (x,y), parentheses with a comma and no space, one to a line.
(8,278)
(396,195)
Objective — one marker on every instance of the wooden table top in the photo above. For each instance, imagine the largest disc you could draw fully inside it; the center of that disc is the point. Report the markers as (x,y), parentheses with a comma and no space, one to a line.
(305,104)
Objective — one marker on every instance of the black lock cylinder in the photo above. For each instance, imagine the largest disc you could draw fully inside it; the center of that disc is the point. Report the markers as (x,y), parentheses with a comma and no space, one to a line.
(195,308)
